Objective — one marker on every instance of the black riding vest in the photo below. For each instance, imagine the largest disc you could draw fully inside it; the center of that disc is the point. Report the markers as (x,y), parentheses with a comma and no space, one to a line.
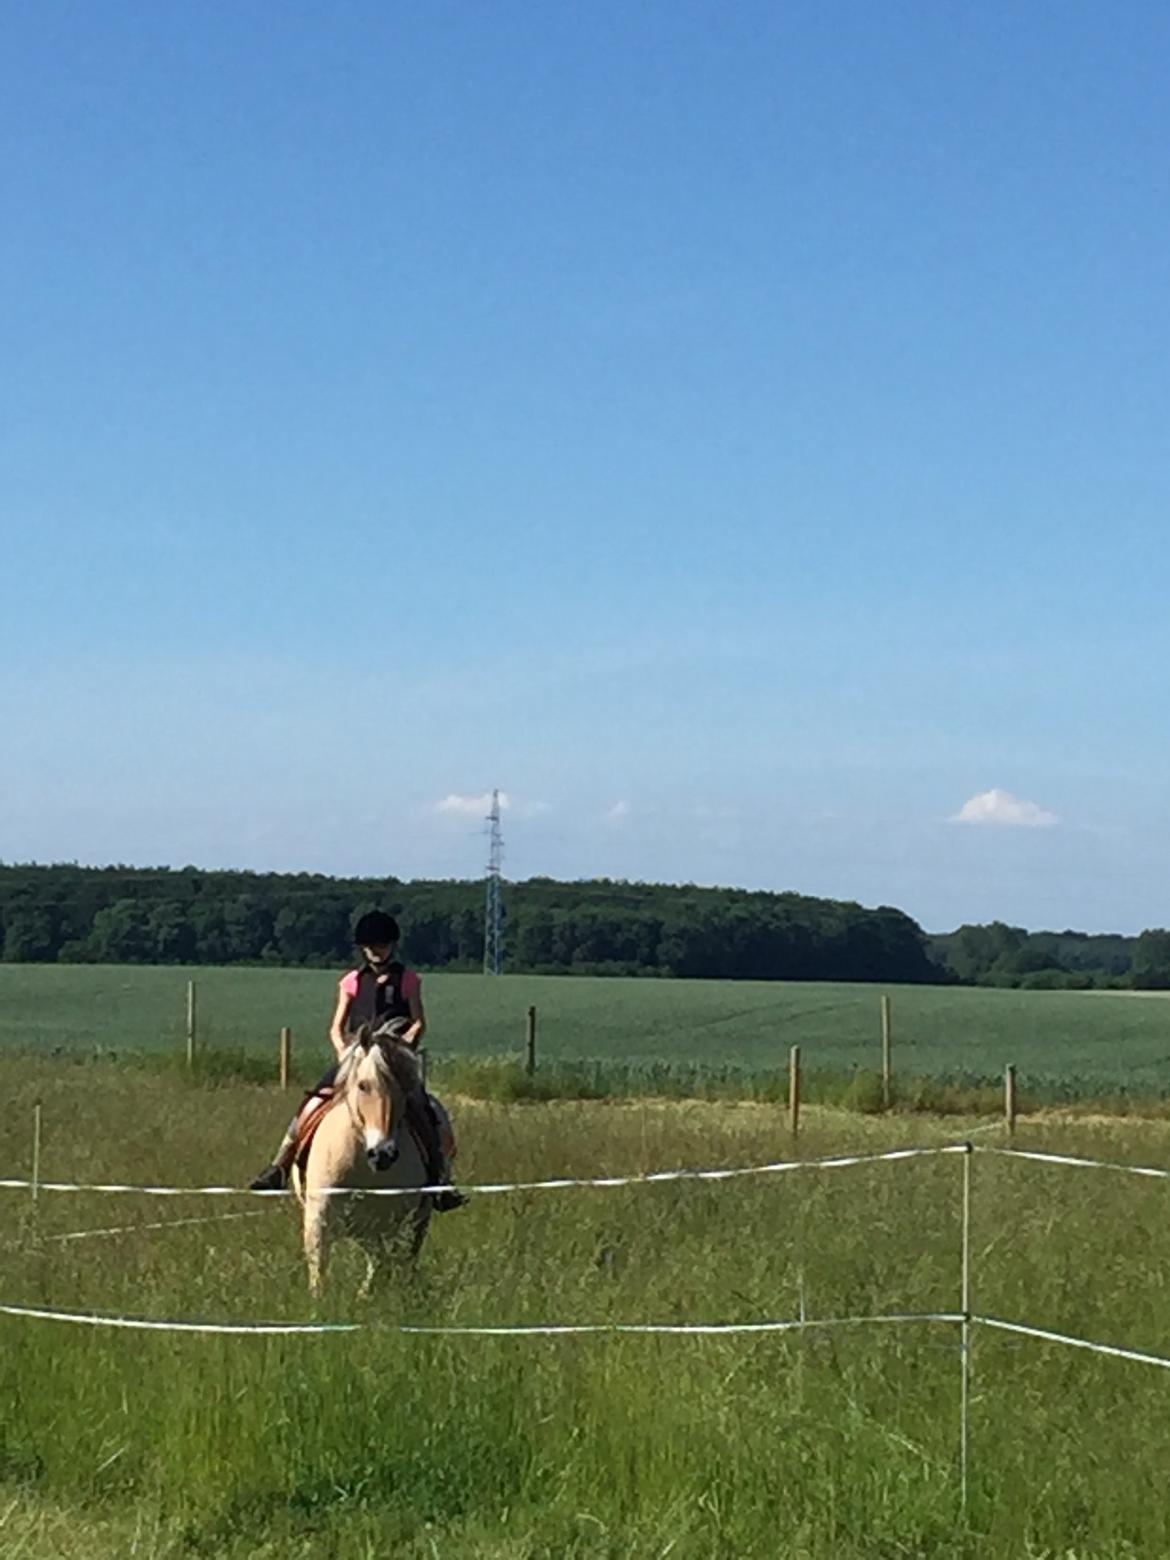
(377,1002)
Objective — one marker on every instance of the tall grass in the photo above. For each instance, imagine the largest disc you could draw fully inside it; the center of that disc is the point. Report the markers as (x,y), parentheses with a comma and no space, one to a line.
(825,1445)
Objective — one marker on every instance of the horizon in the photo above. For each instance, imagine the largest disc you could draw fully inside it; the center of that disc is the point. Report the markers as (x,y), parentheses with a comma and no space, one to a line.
(741,430)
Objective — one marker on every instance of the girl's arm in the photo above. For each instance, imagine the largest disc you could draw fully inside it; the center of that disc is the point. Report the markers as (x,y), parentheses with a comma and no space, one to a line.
(337,1027)
(418,1019)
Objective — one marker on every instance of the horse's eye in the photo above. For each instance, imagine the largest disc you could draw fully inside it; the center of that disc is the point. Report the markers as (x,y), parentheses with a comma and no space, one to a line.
(363,1087)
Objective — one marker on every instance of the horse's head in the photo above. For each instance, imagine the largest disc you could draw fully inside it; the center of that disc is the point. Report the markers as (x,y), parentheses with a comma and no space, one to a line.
(376,1074)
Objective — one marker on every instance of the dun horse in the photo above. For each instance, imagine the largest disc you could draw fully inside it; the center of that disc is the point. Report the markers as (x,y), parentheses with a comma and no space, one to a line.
(364,1142)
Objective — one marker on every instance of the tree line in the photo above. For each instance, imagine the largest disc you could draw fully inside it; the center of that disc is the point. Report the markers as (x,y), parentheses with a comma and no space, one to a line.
(127,915)
(1002,955)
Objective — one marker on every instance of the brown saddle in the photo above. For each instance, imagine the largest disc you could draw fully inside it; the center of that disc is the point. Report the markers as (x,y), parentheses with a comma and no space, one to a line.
(312,1114)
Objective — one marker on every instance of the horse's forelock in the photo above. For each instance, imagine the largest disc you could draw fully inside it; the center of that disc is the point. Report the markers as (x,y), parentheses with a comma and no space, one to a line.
(394,1063)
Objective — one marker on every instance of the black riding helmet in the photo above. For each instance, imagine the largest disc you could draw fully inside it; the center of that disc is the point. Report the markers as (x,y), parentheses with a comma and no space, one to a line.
(375,929)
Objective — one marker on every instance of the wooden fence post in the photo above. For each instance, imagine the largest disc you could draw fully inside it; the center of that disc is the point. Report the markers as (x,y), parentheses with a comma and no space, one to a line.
(887,1039)
(190,1023)
(794,1089)
(530,1042)
(1009,1098)
(285,1055)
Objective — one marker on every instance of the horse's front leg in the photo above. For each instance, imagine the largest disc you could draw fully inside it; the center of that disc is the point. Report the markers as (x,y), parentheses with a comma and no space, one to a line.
(316,1237)
(420,1219)
(367,1285)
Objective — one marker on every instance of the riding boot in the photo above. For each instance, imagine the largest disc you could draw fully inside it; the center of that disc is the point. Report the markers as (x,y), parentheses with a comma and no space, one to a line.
(426,1129)
(274,1177)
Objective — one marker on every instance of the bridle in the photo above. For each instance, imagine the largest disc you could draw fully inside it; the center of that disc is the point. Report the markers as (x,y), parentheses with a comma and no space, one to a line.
(382,1152)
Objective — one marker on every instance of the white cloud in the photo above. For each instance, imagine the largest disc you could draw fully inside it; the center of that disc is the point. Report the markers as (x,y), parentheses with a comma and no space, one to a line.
(1004,810)
(472,806)
(617,812)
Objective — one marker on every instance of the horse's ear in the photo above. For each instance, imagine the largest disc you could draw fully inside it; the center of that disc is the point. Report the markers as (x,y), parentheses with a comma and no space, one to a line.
(365,1037)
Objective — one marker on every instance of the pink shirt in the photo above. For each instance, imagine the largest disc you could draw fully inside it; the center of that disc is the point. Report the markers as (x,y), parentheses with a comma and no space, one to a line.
(411,984)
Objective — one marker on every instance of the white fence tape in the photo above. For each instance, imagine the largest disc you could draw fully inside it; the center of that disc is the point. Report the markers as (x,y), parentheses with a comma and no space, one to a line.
(704,1329)
(650,1178)
(142,1324)
(536,1330)
(679,1329)
(576,1330)
(1079,1163)
(1043,1333)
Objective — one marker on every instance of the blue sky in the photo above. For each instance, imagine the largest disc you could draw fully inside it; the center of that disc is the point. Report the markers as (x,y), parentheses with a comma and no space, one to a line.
(737,432)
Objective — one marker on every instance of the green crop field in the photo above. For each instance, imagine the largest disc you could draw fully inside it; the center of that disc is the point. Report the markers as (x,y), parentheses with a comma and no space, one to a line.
(833,1445)
(1065,1044)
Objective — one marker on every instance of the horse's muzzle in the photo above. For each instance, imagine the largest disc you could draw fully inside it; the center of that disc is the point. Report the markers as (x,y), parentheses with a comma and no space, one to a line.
(382,1155)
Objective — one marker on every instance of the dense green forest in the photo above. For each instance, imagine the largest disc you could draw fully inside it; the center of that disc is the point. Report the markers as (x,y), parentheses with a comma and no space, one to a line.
(1001,955)
(73,914)
(126,915)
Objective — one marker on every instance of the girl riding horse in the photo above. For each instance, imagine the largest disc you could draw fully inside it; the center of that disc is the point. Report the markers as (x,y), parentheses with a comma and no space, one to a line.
(385,995)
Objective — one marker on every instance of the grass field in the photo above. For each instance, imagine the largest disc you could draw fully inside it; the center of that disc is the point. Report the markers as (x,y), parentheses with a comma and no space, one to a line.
(1065,1044)
(825,1447)
(828,1447)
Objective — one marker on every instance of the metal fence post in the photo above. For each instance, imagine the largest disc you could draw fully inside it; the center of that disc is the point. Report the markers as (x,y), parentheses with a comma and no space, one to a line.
(965,1343)
(36,1153)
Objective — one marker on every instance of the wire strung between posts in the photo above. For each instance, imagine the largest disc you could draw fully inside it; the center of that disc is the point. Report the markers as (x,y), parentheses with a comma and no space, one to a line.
(1139,1355)
(690,1329)
(535,1330)
(157,1224)
(1081,1164)
(991,1126)
(650,1178)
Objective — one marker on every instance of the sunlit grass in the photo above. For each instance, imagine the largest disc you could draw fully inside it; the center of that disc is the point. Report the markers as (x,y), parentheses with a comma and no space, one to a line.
(826,1445)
